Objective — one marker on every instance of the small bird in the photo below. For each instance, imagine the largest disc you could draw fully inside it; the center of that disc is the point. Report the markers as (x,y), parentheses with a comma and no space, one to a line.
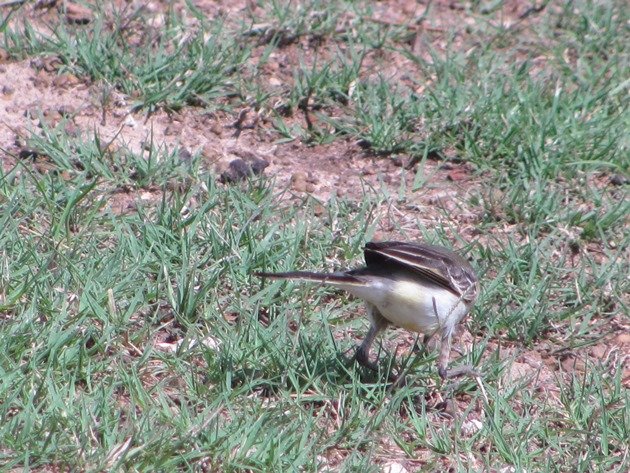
(423,288)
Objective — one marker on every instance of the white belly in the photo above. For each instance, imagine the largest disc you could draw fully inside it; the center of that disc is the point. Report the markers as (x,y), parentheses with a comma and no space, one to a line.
(405,305)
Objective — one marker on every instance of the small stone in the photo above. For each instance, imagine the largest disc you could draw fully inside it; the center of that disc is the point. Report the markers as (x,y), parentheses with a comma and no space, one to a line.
(619,180)
(37,63)
(216,128)
(66,175)
(310,188)
(130,122)
(28,153)
(52,117)
(66,110)
(77,13)
(394,468)
(398,161)
(298,182)
(471,427)
(258,165)
(298,186)
(8,90)
(66,80)
(185,155)
(246,165)
(173,129)
(457,175)
(298,176)
(72,129)
(319,210)
(237,170)
(19,141)
(50,63)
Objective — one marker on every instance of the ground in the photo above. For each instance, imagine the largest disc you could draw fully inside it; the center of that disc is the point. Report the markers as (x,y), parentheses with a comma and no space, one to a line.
(344,114)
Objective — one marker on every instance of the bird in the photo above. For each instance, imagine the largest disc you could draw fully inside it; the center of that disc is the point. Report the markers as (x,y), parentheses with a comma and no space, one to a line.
(427,289)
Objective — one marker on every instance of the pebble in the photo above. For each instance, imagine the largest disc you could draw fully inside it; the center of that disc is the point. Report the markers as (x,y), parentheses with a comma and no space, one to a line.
(619,180)
(72,129)
(130,122)
(78,14)
(240,169)
(298,182)
(394,468)
(28,153)
(66,110)
(319,210)
(173,129)
(216,128)
(66,80)
(52,117)
(237,171)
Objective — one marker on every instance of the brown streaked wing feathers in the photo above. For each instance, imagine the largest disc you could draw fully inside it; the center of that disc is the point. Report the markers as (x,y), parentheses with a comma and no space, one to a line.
(436,263)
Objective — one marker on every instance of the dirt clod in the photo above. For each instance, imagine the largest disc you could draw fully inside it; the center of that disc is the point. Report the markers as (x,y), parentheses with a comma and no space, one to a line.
(240,169)
(619,180)
(298,182)
(173,129)
(66,80)
(78,14)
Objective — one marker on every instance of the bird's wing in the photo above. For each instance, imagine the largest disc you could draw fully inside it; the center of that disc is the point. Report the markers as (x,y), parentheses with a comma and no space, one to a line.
(436,263)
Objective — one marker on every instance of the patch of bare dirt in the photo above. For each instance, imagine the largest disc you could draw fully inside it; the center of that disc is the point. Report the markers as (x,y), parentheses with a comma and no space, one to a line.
(343,169)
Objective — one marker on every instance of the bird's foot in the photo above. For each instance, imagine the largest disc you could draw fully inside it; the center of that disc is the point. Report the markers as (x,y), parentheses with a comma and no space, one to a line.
(466,370)
(363,359)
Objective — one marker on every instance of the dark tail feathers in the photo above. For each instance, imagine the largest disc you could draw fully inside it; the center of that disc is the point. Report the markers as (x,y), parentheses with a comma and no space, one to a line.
(332,278)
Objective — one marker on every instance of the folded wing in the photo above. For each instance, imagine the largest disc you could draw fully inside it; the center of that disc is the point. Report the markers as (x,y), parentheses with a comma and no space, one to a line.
(436,263)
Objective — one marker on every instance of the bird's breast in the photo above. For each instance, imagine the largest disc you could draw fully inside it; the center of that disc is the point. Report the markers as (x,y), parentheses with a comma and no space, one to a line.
(415,307)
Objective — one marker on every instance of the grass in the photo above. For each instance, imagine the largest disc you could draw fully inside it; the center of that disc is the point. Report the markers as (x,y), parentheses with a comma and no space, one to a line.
(138,339)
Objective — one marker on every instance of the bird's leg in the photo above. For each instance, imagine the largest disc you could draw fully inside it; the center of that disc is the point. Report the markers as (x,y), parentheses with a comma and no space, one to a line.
(363,352)
(378,323)
(443,371)
(423,345)
(445,350)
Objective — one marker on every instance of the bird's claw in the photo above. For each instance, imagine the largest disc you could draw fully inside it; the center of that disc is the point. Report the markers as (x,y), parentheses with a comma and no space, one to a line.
(466,370)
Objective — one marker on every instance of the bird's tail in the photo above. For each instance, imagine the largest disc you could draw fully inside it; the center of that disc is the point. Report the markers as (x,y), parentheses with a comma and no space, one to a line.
(339,279)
